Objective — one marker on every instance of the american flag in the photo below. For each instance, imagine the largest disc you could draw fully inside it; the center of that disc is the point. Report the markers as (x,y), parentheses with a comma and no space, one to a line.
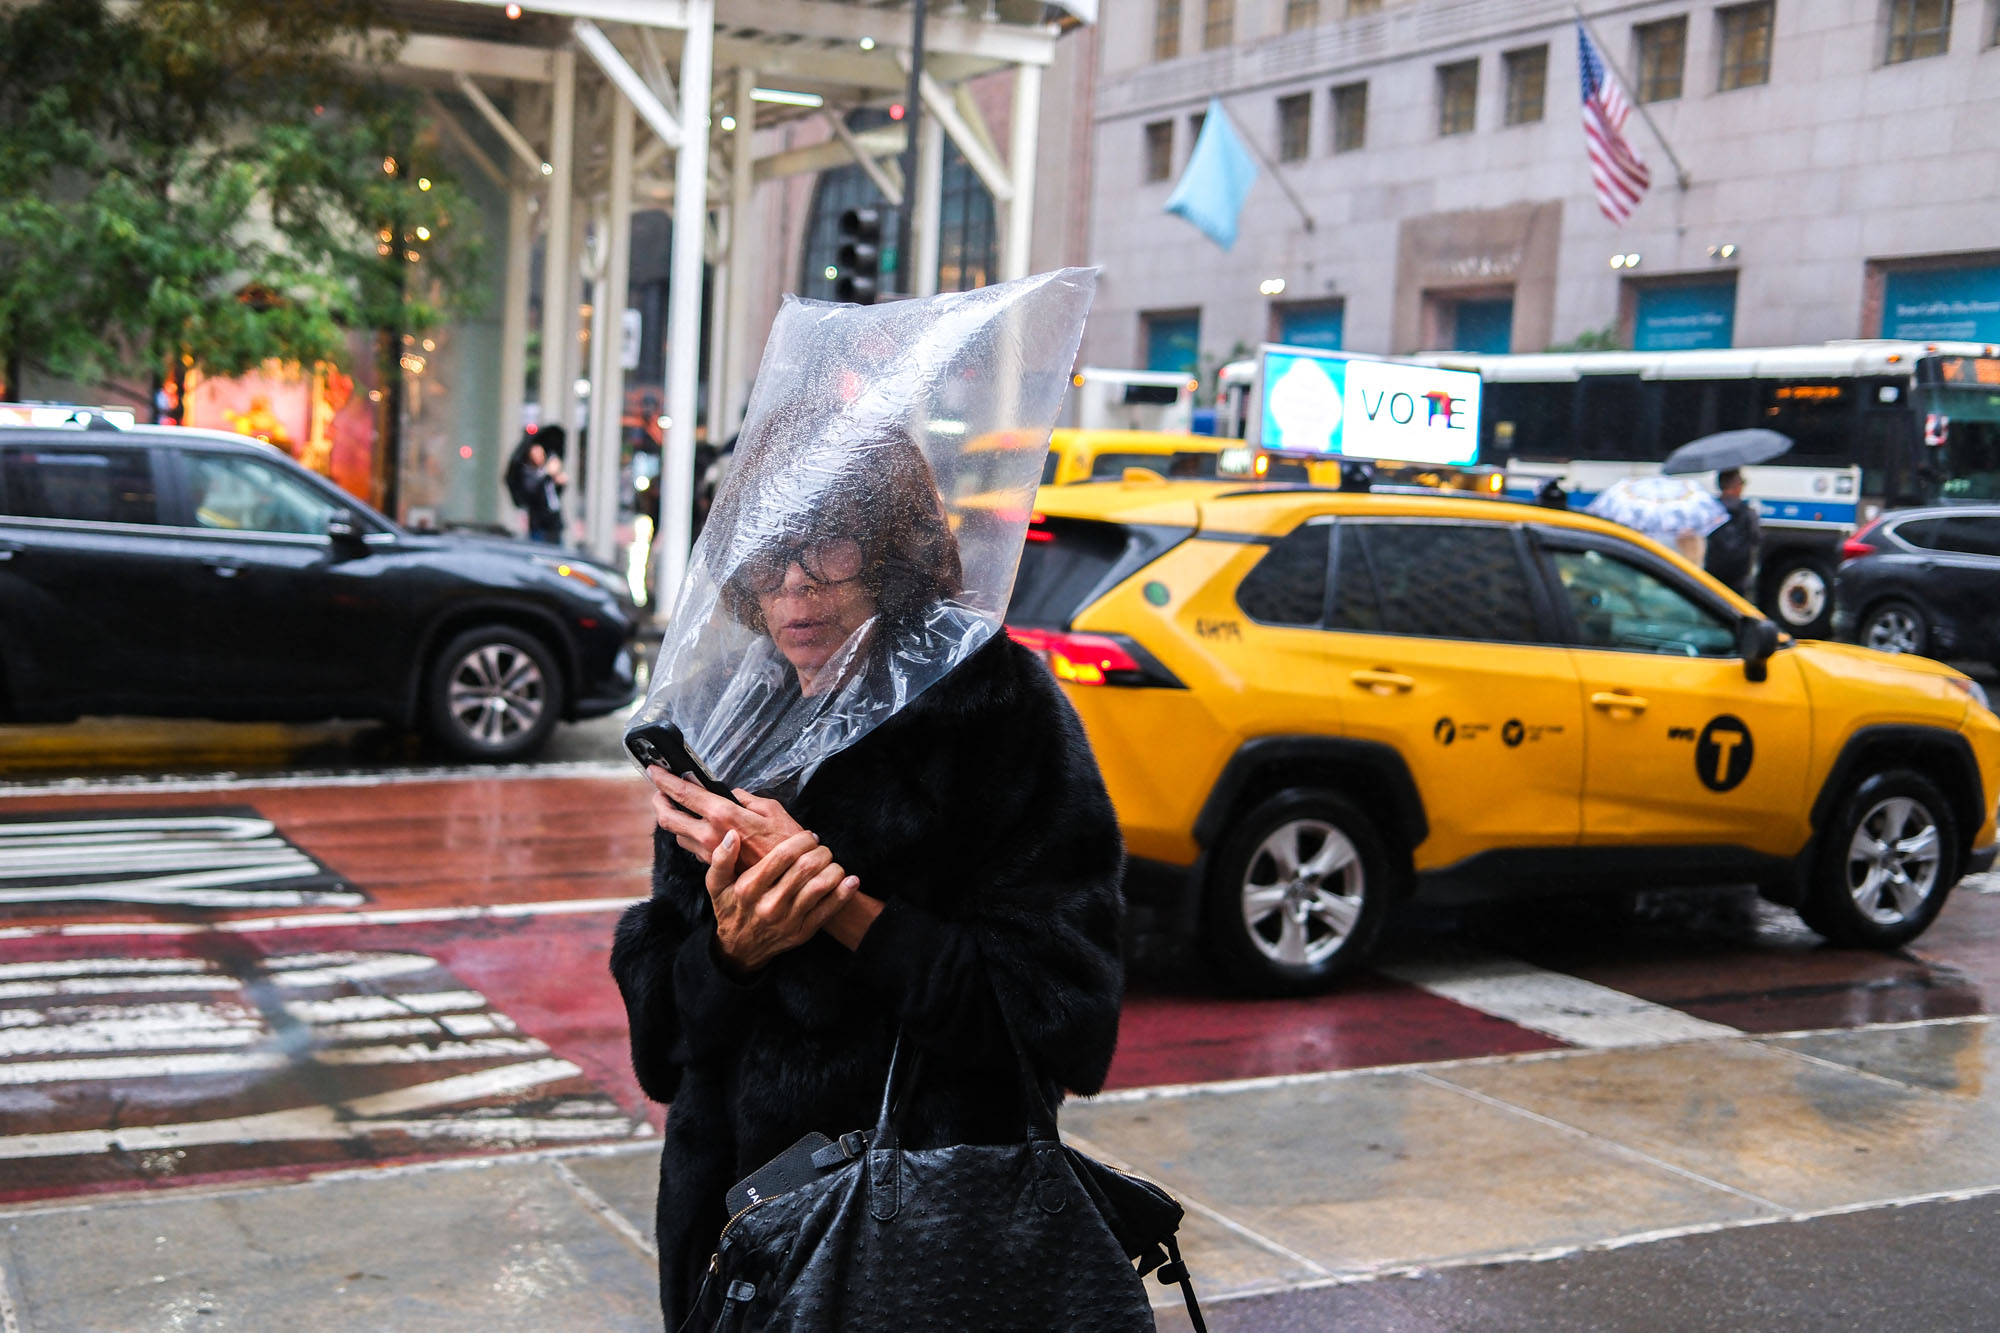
(1616,170)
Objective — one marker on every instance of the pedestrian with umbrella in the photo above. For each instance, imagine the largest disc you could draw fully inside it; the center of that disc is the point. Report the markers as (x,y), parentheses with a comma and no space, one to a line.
(1732,547)
(1671,510)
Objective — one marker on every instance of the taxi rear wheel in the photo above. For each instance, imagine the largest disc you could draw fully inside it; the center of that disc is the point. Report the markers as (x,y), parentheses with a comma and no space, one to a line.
(1886,863)
(1299,893)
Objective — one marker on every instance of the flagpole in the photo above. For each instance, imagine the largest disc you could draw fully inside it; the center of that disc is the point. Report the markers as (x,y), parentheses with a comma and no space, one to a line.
(1276,175)
(1604,54)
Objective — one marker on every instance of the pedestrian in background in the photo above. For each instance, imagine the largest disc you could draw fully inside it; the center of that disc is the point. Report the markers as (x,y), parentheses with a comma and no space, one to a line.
(535,479)
(1732,548)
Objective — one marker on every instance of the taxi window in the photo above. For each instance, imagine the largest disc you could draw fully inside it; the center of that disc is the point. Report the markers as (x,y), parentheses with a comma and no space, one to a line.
(1620,606)
(1288,586)
(81,485)
(1050,463)
(1181,463)
(1439,581)
(238,494)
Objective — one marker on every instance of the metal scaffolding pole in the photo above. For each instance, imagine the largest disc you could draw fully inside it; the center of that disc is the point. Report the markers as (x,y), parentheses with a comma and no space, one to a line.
(927,210)
(607,377)
(513,333)
(742,239)
(558,388)
(684,299)
(1022,136)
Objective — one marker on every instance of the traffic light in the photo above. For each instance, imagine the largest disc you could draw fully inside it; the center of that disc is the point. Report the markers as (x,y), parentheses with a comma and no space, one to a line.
(858,264)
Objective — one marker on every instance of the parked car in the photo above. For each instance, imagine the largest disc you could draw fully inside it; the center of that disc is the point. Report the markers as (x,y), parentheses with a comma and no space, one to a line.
(165,572)
(1924,581)
(1308,704)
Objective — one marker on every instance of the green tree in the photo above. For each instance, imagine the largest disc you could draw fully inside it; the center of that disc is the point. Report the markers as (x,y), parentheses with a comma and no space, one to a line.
(211,184)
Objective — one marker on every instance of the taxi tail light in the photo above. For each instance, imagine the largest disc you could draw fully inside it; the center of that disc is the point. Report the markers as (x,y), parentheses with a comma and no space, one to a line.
(1094,659)
(1858,545)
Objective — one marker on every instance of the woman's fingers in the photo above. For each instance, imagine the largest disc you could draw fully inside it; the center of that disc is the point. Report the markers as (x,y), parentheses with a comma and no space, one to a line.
(801,871)
(677,821)
(758,880)
(697,799)
(722,866)
(832,885)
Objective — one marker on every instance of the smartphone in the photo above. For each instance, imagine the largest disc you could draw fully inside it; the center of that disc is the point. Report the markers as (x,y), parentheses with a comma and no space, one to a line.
(662,743)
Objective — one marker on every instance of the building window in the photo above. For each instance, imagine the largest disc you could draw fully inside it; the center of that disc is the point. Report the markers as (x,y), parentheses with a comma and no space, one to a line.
(1458,97)
(1295,127)
(1194,128)
(1159,150)
(1527,84)
(1350,117)
(1917,28)
(1746,45)
(1300,14)
(1218,24)
(1167,30)
(967,252)
(1355,7)
(1662,53)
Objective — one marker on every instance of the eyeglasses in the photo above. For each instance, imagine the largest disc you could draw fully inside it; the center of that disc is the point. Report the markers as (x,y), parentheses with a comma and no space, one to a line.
(826,561)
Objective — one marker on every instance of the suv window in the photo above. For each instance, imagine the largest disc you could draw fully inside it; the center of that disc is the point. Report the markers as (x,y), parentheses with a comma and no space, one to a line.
(1436,581)
(81,485)
(1288,586)
(237,494)
(1966,534)
(1621,606)
(1064,559)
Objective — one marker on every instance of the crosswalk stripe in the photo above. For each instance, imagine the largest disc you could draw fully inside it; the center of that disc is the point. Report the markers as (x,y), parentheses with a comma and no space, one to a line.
(1554,1004)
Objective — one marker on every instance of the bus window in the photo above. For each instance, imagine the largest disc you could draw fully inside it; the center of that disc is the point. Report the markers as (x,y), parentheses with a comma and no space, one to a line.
(1528,421)
(1816,415)
(1612,422)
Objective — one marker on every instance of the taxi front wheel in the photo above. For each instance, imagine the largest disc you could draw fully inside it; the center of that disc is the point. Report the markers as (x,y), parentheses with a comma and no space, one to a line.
(1299,894)
(1885,864)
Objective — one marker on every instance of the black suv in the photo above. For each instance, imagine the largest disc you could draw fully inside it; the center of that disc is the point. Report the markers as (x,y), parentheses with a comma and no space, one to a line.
(1924,581)
(185,573)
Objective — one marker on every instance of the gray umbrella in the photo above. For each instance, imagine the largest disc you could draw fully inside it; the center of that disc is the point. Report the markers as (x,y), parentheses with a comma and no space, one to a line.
(1731,448)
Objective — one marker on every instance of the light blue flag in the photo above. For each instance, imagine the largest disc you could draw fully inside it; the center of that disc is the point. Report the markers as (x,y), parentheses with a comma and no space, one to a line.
(1219,175)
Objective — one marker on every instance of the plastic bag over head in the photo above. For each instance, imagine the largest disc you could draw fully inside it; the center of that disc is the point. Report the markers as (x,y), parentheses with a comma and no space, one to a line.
(866,540)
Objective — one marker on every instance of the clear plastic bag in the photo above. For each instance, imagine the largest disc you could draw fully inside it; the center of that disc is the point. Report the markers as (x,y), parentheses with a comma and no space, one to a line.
(866,540)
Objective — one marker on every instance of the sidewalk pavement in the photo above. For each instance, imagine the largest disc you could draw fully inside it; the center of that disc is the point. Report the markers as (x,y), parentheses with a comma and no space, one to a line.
(1641,1164)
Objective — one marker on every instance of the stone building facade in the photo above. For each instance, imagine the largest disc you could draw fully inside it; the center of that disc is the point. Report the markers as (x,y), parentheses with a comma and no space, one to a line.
(1837,169)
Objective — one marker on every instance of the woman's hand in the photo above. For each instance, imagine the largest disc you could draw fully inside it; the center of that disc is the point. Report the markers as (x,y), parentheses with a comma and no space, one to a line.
(778,903)
(698,818)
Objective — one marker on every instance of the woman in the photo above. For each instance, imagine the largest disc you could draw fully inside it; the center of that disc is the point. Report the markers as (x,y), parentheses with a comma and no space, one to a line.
(953,873)
(535,479)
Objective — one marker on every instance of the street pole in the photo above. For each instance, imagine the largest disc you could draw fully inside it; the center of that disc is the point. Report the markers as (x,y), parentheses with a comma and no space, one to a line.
(913,111)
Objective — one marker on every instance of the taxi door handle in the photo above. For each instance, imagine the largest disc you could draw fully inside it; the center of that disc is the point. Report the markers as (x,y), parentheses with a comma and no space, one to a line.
(1617,699)
(1383,680)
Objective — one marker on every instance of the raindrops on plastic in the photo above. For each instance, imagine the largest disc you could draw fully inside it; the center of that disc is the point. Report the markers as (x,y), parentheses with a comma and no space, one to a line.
(866,538)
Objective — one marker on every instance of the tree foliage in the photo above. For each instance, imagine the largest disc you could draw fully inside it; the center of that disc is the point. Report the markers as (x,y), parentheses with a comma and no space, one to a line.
(201,184)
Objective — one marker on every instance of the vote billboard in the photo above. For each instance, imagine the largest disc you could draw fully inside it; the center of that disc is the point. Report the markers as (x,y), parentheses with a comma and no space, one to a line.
(1321,404)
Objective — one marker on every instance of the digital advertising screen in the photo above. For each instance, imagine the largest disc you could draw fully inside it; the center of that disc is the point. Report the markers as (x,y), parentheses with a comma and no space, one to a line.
(1327,405)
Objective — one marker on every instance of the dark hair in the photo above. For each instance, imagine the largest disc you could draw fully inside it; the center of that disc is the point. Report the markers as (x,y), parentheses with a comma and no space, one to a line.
(910,559)
(1728,477)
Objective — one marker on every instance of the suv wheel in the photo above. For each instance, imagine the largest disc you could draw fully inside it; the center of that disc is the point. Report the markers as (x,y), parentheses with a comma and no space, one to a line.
(1299,894)
(1893,627)
(1886,863)
(494,694)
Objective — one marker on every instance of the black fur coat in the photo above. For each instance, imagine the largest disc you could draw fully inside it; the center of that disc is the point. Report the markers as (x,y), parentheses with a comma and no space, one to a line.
(977,814)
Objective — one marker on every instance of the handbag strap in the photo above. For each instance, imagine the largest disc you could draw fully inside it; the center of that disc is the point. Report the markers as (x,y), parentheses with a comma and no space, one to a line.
(906,1065)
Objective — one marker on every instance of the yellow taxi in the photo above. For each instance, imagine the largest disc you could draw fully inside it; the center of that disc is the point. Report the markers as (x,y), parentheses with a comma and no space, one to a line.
(1308,704)
(1100,455)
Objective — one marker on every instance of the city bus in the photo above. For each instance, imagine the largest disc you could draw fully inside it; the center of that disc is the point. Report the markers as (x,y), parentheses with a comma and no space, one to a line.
(1874,425)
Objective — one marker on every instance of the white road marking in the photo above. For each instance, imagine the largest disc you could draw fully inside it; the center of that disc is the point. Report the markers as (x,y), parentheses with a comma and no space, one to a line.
(405,916)
(196,889)
(614,1219)
(121,827)
(20,990)
(1567,1008)
(227,781)
(345,1120)
(77,967)
(375,1029)
(145,1027)
(348,1008)
(421,1053)
(517,1129)
(10,1319)
(122,859)
(372,968)
(138,1066)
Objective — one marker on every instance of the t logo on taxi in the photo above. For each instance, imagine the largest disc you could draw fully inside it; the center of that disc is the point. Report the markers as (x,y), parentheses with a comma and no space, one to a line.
(1722,753)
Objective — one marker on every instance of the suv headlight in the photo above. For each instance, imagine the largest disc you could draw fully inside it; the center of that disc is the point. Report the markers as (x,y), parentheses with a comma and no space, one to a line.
(1973,690)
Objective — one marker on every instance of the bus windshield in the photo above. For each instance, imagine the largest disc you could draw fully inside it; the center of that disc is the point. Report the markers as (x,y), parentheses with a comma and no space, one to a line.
(1962,426)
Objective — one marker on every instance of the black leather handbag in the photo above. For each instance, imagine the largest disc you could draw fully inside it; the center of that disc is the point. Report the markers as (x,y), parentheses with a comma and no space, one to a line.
(861,1233)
